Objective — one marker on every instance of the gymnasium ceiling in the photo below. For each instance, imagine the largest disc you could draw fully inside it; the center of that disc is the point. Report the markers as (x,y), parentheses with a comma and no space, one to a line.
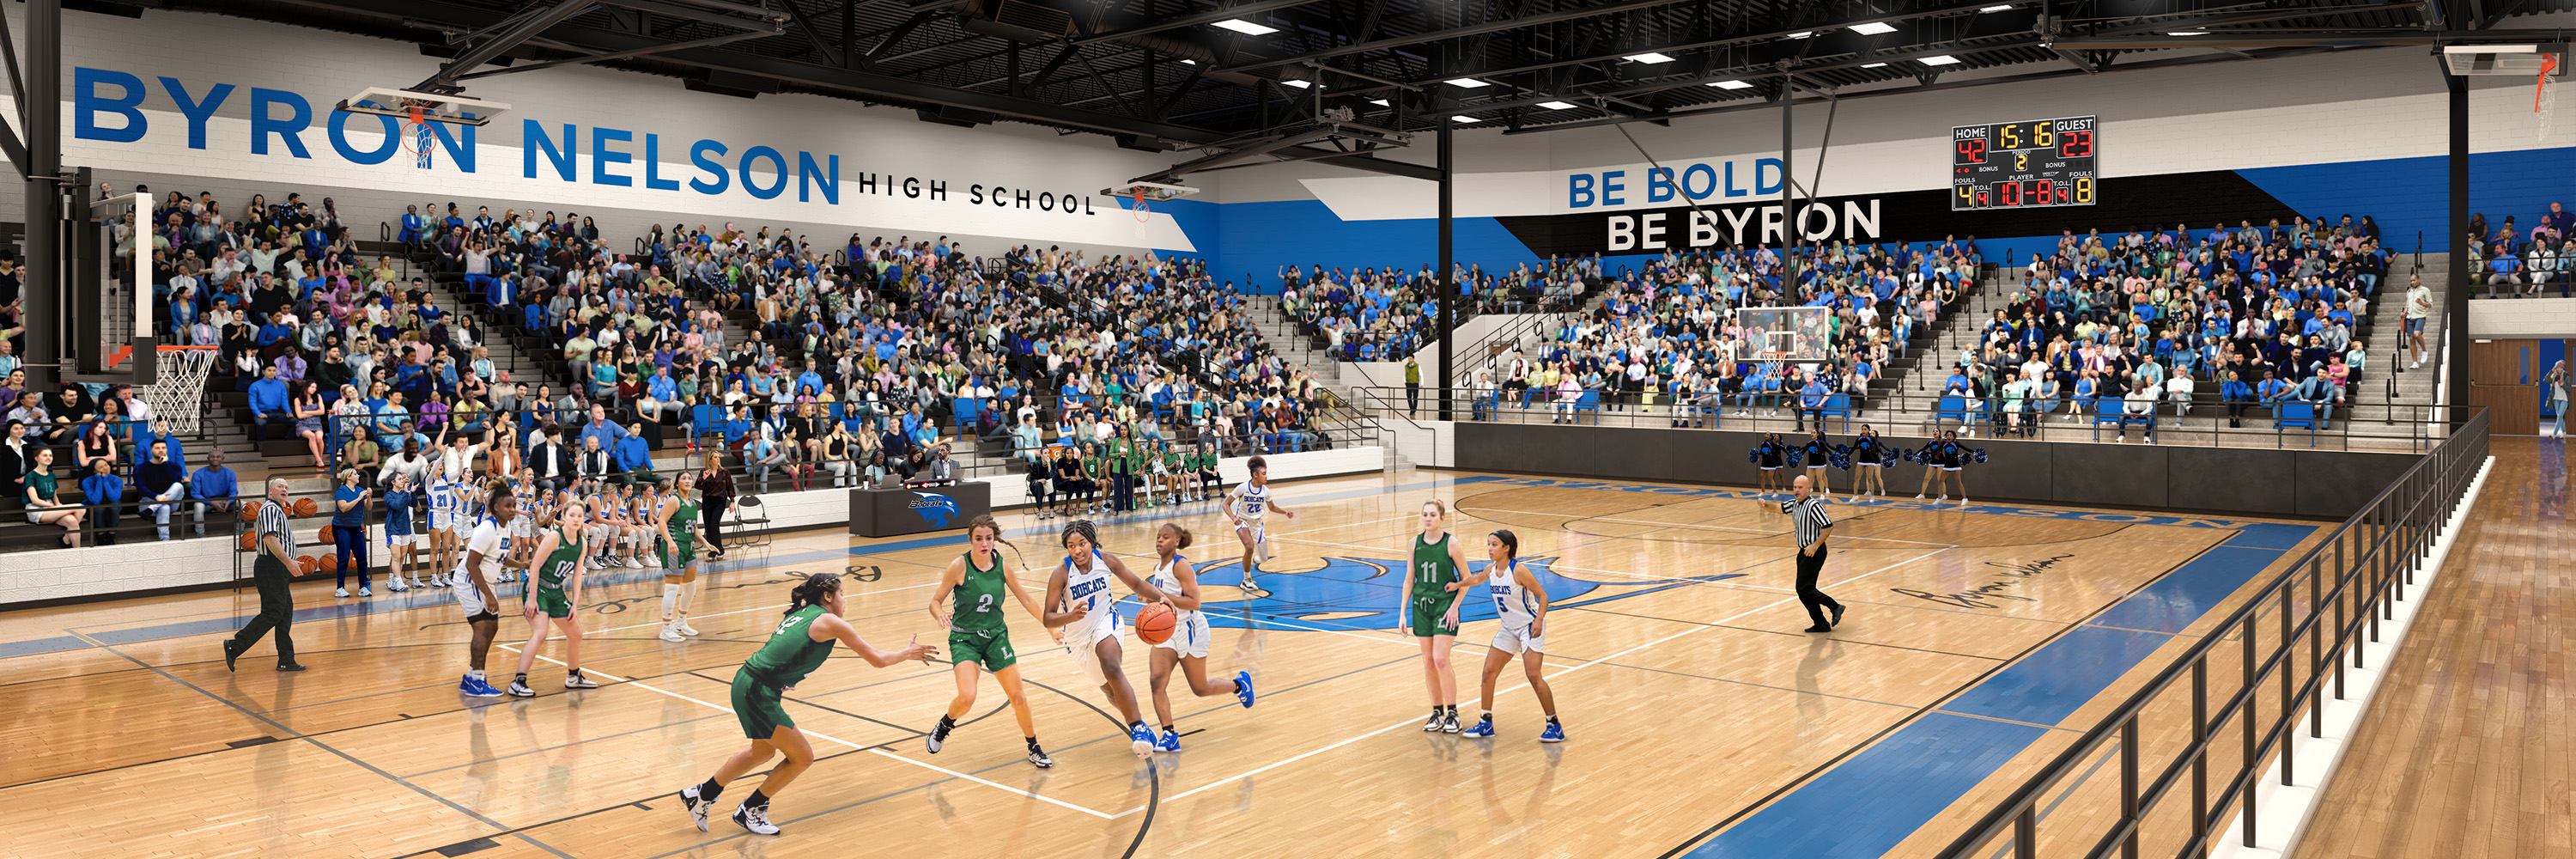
(1161,74)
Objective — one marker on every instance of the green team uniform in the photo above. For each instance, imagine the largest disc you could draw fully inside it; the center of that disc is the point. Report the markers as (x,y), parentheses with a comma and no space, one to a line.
(777,666)
(684,522)
(977,632)
(1432,569)
(555,573)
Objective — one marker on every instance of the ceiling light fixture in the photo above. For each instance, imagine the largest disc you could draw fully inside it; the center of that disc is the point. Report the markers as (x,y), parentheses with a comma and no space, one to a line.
(1731,85)
(1245,27)
(2003,8)
(1557,105)
(1802,34)
(1873,28)
(1297,84)
(1648,58)
(2187,32)
(1464,118)
(1939,60)
(1378,101)
(1468,83)
(1873,65)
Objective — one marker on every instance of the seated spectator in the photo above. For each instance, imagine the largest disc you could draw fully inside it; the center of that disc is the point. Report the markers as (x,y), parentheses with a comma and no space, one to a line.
(213,488)
(105,491)
(44,503)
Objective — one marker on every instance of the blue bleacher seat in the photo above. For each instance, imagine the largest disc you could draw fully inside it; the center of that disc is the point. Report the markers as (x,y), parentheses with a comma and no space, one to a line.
(2294,414)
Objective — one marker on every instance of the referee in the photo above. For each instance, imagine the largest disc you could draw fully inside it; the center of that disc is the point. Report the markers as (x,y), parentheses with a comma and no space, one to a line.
(270,571)
(1808,511)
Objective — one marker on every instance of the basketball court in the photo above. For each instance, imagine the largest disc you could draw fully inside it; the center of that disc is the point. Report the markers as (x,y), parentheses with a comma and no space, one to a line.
(1697,711)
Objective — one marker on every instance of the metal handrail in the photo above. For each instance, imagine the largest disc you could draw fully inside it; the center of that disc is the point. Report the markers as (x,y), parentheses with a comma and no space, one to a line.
(2374,553)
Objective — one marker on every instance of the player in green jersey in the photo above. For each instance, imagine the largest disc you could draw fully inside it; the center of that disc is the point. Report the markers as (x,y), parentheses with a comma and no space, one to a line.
(1432,582)
(969,603)
(675,522)
(799,645)
(554,592)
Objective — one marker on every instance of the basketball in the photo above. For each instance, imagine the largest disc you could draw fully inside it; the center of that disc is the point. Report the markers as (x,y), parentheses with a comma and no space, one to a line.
(249,511)
(326,535)
(329,563)
(249,541)
(1154,624)
(304,507)
(305,564)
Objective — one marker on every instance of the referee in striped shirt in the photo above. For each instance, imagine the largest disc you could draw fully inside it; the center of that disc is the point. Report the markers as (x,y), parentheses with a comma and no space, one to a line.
(1808,511)
(270,571)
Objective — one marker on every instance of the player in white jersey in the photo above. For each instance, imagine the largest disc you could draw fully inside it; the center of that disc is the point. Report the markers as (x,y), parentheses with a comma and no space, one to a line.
(1247,504)
(445,494)
(485,551)
(1520,602)
(1188,645)
(1081,588)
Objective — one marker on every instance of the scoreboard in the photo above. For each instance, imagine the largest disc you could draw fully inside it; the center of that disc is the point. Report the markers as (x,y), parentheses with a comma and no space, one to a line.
(2011,165)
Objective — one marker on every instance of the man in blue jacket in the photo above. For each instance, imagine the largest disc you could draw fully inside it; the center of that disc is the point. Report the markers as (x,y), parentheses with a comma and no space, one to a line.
(268,399)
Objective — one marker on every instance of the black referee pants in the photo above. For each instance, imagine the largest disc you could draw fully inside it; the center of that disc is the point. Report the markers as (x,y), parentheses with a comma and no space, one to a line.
(276,609)
(1815,600)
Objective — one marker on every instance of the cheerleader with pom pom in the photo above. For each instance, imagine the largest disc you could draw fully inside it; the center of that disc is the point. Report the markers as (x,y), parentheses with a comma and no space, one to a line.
(1819,453)
(1869,458)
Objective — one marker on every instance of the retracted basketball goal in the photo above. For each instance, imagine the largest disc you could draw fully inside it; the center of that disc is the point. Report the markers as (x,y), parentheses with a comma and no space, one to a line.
(417,111)
(1141,196)
(2544,63)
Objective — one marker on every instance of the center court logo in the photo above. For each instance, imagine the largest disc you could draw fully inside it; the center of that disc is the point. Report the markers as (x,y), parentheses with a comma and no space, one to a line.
(936,509)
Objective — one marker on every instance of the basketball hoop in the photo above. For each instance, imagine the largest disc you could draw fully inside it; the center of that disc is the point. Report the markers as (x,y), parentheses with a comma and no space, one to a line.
(2544,101)
(415,132)
(178,389)
(1144,211)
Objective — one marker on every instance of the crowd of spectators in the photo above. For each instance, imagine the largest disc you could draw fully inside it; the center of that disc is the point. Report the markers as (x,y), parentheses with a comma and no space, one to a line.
(2509,260)
(1385,314)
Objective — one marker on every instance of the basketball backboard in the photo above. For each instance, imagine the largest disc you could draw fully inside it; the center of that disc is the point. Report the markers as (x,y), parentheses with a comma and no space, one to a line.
(1790,334)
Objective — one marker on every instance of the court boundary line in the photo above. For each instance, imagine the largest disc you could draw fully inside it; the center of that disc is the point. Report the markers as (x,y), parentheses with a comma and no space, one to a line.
(1763,532)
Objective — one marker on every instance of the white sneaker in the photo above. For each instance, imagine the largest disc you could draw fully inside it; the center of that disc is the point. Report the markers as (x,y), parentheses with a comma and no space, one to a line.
(684,627)
(1918,496)
(755,819)
(577,680)
(366,591)
(1944,496)
(342,593)
(670,632)
(397,586)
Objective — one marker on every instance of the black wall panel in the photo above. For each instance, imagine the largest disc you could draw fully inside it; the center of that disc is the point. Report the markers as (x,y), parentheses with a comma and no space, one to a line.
(2337,483)
(2125,474)
(2234,479)
(2014,469)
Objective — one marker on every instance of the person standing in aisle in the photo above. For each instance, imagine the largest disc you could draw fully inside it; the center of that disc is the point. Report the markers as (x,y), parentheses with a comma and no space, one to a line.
(270,569)
(715,490)
(1412,387)
(1807,511)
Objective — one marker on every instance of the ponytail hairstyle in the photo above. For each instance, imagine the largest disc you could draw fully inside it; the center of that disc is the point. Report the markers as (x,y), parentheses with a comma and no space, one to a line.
(811,591)
(987,521)
(1511,542)
(1083,527)
(1437,505)
(1179,534)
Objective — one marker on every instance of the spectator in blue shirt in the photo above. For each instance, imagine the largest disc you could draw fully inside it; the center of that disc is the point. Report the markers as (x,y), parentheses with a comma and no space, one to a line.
(102,487)
(599,427)
(268,400)
(164,481)
(213,487)
(1812,398)
(633,455)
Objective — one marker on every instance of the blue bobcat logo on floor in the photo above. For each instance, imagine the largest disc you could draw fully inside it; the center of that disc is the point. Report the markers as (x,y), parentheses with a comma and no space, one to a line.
(1362,593)
(936,509)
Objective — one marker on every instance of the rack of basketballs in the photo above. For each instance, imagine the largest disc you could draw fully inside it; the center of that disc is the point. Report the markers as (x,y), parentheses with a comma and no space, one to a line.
(325,537)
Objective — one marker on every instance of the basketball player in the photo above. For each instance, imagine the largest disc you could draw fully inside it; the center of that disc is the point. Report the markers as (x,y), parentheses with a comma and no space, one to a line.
(1773,450)
(794,650)
(1521,603)
(979,635)
(1431,585)
(1819,454)
(679,553)
(1081,586)
(446,494)
(1247,504)
(555,591)
(1869,465)
(1189,642)
(485,551)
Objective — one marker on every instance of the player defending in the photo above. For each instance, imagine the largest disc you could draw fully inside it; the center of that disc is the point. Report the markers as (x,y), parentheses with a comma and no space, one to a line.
(1247,504)
(1521,602)
(555,592)
(1431,585)
(1081,586)
(1189,642)
(799,646)
(979,635)
(485,550)
(679,547)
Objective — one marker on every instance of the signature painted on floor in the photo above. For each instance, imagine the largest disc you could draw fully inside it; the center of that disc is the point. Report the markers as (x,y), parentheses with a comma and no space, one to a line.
(1984,595)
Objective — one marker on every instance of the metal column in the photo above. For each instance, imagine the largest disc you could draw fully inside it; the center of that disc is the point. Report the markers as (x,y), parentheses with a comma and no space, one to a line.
(1447,280)
(40,276)
(1788,203)
(2455,304)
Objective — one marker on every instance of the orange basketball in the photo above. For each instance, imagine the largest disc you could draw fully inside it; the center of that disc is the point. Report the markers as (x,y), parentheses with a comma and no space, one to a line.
(249,541)
(327,537)
(305,564)
(304,507)
(249,511)
(330,563)
(1154,624)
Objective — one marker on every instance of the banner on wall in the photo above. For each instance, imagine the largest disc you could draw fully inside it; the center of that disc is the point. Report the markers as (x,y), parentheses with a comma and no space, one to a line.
(2199,199)
(120,120)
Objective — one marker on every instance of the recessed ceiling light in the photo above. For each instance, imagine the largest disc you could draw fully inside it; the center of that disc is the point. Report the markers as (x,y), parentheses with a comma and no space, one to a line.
(1464,118)
(1873,65)
(1245,27)
(1556,105)
(1873,28)
(1189,62)
(1378,101)
(1649,58)
(1939,60)
(2187,32)
(1467,83)
(1802,34)
(2003,8)
(1297,84)
(1731,85)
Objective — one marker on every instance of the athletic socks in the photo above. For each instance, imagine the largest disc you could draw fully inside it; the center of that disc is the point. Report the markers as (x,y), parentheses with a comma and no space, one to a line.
(757,800)
(707,791)
(670,600)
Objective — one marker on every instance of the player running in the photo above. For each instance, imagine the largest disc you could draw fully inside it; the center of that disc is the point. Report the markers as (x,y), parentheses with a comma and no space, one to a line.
(1247,504)
(1188,644)
(1081,586)
(979,635)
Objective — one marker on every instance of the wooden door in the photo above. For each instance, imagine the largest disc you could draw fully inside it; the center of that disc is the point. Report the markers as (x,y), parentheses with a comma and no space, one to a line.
(2503,379)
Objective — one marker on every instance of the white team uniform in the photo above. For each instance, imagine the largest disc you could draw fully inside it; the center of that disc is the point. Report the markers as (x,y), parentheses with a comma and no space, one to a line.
(1253,504)
(442,504)
(1189,628)
(1093,588)
(493,540)
(1516,607)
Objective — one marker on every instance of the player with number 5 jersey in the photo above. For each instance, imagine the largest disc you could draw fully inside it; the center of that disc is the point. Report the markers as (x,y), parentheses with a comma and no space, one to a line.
(971,593)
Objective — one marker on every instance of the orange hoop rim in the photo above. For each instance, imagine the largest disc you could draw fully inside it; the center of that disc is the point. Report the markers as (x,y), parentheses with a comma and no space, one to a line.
(2540,87)
(1144,211)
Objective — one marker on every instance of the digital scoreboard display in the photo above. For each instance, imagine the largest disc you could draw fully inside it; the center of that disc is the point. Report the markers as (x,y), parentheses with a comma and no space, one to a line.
(2010,165)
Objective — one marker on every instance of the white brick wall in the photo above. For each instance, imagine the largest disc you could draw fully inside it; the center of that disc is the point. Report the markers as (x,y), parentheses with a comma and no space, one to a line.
(2519,318)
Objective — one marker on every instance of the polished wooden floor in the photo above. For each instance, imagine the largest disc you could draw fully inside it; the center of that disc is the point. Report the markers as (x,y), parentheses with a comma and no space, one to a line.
(2468,750)
(1695,704)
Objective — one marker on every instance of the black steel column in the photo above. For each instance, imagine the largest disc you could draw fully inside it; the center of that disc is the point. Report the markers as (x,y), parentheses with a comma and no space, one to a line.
(1448,285)
(40,273)
(2455,304)
(1788,204)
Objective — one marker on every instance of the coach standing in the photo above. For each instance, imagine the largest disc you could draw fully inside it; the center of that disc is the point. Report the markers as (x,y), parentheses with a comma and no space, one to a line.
(715,490)
(270,570)
(1808,512)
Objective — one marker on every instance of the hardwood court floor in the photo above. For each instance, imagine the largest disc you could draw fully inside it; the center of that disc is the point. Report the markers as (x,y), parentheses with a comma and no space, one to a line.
(1979,642)
(2467,752)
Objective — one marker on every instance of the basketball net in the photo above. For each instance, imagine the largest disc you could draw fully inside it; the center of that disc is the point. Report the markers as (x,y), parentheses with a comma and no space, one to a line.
(2544,100)
(1144,211)
(416,136)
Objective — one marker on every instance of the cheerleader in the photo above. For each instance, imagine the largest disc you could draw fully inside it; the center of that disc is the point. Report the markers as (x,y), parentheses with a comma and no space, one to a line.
(1869,459)
(1819,453)
(1942,461)
(1768,457)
